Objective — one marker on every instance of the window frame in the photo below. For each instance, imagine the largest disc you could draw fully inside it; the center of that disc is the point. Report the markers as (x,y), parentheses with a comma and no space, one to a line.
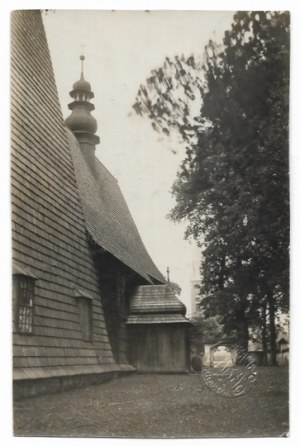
(84,299)
(23,294)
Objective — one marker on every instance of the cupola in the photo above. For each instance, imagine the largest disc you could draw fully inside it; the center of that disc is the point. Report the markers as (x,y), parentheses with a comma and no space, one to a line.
(80,121)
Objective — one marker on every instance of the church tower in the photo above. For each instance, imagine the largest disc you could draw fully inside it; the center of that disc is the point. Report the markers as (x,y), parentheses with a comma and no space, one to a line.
(80,121)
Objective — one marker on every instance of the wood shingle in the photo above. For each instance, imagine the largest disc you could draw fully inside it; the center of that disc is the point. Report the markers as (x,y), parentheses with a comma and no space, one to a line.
(87,294)
(108,219)
(49,234)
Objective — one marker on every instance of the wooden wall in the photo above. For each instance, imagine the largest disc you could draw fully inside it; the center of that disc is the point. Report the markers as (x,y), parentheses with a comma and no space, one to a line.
(116,284)
(49,236)
(159,348)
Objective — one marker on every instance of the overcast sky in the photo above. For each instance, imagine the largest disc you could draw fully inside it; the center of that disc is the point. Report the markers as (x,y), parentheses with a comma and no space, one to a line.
(121,48)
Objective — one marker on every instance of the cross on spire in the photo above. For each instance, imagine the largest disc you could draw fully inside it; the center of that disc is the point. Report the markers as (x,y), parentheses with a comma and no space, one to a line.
(168,274)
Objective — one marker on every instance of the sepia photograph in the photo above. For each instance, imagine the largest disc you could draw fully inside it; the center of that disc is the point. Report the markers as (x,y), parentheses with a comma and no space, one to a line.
(150,223)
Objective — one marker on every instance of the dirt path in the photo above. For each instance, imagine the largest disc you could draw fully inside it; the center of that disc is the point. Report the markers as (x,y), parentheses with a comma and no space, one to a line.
(158,406)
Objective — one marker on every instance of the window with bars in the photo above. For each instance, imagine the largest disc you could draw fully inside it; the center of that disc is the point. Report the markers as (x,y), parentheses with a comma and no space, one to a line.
(24,293)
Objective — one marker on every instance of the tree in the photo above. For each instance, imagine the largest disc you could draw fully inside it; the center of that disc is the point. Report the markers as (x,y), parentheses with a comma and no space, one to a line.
(174,287)
(233,186)
(171,97)
(203,331)
(252,75)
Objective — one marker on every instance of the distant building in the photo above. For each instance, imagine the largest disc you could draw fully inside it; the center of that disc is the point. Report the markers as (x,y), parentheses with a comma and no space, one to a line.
(79,263)
(283,349)
(195,285)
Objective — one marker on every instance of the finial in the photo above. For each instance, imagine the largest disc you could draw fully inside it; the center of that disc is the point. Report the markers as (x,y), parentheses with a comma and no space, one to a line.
(168,274)
(82,60)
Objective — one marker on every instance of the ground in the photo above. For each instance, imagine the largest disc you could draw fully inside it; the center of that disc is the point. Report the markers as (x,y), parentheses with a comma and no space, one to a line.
(158,406)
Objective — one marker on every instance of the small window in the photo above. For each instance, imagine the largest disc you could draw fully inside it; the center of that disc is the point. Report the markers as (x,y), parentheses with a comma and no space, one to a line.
(24,293)
(84,302)
(85,317)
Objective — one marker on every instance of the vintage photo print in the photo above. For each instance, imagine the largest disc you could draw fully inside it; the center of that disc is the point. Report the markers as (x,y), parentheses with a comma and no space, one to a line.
(150,223)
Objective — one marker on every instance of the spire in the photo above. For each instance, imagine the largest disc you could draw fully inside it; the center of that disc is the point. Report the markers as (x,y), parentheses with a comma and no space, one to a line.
(82,61)
(168,274)
(80,121)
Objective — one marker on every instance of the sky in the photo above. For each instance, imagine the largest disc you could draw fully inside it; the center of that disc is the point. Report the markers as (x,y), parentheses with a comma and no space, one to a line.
(121,48)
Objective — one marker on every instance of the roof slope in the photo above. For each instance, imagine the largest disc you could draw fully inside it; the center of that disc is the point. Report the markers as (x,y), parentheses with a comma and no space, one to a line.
(108,219)
(49,235)
(155,304)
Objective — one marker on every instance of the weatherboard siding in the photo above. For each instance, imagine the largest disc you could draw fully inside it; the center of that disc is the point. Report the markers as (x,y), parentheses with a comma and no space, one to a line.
(159,348)
(48,226)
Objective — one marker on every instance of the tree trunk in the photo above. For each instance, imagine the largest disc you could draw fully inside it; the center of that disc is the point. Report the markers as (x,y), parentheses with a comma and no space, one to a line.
(272,328)
(242,329)
(264,335)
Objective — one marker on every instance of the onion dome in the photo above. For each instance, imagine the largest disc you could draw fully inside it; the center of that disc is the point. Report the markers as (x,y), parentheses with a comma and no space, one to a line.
(82,85)
(82,89)
(80,120)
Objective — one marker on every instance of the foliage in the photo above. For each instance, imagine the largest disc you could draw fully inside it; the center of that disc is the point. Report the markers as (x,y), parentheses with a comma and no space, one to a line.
(174,287)
(171,97)
(204,331)
(233,186)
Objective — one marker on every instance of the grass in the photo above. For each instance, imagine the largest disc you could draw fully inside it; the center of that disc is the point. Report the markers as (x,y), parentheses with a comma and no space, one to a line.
(159,406)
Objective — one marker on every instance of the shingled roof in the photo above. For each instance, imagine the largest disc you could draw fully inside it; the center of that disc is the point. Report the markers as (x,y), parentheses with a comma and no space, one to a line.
(155,304)
(49,235)
(108,219)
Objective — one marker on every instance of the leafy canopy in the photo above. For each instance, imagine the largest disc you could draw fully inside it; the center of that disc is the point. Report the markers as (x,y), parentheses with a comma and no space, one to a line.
(233,185)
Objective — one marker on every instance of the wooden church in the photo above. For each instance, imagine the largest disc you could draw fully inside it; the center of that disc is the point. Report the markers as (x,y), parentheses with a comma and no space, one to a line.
(89,304)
